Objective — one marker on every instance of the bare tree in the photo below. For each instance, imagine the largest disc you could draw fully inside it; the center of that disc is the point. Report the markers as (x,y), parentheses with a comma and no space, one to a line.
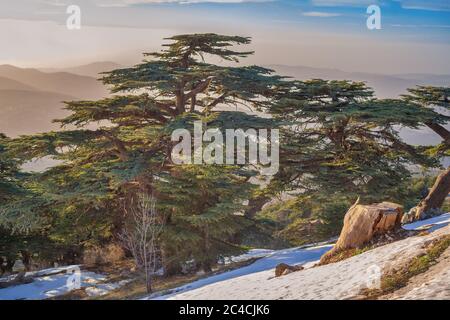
(141,233)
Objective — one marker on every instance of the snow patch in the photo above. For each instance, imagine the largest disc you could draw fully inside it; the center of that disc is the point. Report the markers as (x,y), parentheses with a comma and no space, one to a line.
(431,224)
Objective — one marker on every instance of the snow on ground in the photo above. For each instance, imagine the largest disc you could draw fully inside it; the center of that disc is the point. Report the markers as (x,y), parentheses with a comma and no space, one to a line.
(41,273)
(432,224)
(48,286)
(251,254)
(342,280)
(291,256)
(437,288)
(104,288)
(256,281)
(54,282)
(434,284)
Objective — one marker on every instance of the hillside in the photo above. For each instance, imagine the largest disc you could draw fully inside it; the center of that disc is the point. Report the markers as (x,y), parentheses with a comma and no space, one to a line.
(82,87)
(91,70)
(346,279)
(30,99)
(28,112)
(342,280)
(9,84)
(385,86)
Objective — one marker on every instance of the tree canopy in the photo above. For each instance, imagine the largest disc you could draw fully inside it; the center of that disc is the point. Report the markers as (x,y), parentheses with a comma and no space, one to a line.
(338,142)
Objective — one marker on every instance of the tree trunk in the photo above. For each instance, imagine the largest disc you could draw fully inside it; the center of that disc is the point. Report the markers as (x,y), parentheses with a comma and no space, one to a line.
(436,196)
(440,130)
(255,205)
(148,280)
(171,266)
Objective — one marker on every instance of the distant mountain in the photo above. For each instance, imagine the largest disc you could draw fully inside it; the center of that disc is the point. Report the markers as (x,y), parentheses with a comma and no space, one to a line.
(65,83)
(437,79)
(28,112)
(90,70)
(30,99)
(9,84)
(385,86)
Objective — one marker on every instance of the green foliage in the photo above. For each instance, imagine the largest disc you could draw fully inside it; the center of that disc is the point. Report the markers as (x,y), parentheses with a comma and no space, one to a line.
(303,220)
(121,146)
(203,204)
(306,219)
(434,100)
(340,141)
(9,173)
(430,96)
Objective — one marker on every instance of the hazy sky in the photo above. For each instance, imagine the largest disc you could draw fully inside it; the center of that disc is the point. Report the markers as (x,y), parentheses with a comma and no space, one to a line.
(415,34)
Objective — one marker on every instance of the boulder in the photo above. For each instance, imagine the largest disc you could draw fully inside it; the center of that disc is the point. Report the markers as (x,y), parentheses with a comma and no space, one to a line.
(363,222)
(18,266)
(416,214)
(284,269)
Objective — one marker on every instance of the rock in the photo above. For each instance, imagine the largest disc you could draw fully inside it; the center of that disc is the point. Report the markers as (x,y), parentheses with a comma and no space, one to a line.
(200,273)
(415,214)
(284,269)
(18,266)
(409,216)
(363,222)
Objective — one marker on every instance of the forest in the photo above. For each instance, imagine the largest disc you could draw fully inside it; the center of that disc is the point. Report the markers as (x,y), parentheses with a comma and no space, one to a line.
(115,183)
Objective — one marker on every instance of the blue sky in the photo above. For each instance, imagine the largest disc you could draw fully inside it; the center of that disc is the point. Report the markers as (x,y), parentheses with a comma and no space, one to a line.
(418,28)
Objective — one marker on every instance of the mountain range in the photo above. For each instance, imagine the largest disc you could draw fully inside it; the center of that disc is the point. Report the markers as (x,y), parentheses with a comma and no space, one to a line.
(385,86)
(30,98)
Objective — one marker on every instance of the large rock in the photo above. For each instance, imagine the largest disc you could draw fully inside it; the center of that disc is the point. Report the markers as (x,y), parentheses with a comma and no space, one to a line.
(283,269)
(363,222)
(18,266)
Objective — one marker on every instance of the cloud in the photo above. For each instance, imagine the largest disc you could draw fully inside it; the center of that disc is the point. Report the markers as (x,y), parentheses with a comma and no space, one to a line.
(320,14)
(431,5)
(346,3)
(126,3)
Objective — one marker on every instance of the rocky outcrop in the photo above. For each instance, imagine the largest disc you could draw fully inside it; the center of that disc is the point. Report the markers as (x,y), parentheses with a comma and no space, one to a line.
(363,222)
(284,269)
(431,205)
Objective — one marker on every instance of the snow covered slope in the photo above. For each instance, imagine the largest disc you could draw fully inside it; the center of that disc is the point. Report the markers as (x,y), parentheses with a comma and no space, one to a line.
(342,280)
(54,282)
(271,260)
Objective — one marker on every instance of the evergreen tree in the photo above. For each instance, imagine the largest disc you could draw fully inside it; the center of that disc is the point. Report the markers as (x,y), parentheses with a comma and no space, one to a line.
(341,141)
(128,151)
(9,173)
(437,100)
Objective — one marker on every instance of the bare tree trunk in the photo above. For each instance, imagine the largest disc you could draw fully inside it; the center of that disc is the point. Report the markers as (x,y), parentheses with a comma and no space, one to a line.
(436,196)
(148,280)
(141,235)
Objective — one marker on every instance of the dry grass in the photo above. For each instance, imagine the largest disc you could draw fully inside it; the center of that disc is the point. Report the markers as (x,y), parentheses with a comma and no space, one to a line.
(397,279)
(137,288)
(342,255)
(161,285)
